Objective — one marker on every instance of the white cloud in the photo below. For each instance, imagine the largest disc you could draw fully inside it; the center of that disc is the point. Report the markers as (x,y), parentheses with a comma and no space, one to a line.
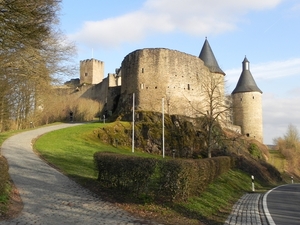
(277,69)
(195,17)
(268,70)
(278,113)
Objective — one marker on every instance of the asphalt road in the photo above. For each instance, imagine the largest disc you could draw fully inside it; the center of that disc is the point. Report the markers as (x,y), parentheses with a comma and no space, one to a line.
(283,204)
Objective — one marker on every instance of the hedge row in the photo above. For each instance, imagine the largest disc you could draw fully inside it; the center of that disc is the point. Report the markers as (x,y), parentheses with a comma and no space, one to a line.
(180,179)
(3,174)
(126,173)
(170,180)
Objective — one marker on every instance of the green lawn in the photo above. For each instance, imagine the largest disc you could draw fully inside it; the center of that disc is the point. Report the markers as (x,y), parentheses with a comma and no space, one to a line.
(71,150)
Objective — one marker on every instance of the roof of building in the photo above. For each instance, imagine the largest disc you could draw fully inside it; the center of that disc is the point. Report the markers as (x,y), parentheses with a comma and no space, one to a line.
(246,81)
(209,59)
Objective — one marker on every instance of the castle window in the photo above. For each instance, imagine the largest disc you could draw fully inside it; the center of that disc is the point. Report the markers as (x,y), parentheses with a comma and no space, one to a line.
(189,87)
(248,135)
(253,97)
(85,74)
(142,86)
(142,70)
(156,87)
(241,99)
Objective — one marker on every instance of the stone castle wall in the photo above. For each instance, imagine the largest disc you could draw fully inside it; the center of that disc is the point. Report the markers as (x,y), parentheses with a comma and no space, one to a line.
(153,74)
(114,80)
(91,71)
(181,79)
(247,113)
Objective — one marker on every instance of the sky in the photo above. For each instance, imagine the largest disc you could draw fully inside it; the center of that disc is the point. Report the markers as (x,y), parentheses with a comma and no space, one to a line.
(266,32)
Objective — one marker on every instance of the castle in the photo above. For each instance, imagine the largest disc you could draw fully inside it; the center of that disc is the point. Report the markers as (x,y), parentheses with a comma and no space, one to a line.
(181,79)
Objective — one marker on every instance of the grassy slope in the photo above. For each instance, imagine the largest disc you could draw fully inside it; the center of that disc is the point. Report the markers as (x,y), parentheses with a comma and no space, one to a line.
(72,149)
(280,162)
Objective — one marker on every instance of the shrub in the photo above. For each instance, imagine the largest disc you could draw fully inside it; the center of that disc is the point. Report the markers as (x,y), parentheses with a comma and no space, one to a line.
(123,172)
(168,180)
(260,169)
(181,179)
(255,151)
(3,174)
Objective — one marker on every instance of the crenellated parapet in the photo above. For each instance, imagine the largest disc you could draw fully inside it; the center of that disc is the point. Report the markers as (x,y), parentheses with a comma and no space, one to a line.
(91,71)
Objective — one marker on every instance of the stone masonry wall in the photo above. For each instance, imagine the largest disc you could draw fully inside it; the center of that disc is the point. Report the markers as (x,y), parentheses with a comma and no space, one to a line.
(153,74)
(247,113)
(114,80)
(91,71)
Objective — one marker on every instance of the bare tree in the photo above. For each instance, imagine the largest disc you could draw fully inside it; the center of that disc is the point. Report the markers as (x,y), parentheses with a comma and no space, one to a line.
(290,140)
(213,110)
(289,146)
(32,52)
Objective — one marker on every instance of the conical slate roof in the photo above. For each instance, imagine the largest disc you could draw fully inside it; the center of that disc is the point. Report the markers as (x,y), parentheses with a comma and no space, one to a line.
(208,57)
(246,81)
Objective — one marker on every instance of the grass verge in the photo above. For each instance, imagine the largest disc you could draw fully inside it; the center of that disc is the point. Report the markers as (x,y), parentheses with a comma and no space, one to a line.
(4,200)
(71,151)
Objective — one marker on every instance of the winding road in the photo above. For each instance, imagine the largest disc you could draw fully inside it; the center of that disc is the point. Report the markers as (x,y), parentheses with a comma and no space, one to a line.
(51,198)
(283,205)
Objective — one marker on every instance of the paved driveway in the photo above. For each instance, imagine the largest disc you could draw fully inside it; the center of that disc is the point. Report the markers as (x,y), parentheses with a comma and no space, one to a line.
(50,197)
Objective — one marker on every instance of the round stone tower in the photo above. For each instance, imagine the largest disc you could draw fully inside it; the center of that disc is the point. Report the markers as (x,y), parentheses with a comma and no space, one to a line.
(247,105)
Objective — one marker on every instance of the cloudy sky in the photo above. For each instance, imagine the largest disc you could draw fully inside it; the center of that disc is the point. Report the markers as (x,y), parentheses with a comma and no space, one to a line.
(266,31)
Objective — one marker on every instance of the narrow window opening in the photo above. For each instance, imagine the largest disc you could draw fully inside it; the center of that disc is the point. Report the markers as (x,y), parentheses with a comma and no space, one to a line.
(142,70)
(86,74)
(189,87)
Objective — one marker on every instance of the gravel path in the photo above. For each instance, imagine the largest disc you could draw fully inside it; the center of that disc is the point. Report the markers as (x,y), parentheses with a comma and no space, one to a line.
(49,197)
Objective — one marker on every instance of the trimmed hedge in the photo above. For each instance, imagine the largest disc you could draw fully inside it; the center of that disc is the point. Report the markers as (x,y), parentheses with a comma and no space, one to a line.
(169,180)
(180,179)
(123,172)
(3,174)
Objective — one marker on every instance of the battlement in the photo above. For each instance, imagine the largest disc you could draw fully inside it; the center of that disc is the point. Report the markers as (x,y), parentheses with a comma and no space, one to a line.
(91,71)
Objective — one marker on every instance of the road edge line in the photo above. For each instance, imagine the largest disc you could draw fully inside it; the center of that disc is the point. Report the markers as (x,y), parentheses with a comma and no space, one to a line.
(265,206)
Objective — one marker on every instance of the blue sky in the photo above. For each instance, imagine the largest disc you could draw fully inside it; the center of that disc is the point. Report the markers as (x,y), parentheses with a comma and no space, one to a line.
(267,32)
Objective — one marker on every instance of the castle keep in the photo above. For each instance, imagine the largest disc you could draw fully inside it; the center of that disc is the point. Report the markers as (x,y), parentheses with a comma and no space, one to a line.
(180,78)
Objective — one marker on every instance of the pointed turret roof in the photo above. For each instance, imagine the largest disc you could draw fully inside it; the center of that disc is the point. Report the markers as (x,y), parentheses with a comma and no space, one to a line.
(246,81)
(209,59)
